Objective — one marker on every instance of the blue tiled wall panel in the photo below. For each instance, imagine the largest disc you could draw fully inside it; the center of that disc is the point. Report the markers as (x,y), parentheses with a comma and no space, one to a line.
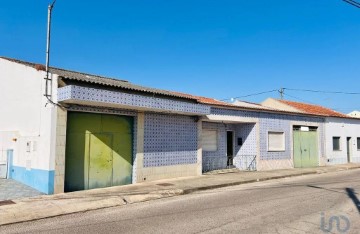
(246,153)
(169,140)
(73,93)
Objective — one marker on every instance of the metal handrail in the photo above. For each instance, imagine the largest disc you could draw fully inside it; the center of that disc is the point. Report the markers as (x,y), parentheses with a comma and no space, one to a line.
(251,164)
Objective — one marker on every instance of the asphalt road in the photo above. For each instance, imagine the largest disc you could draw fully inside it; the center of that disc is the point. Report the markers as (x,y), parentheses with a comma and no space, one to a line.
(295,205)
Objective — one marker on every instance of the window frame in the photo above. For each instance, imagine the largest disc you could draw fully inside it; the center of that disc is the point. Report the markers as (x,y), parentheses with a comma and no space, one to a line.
(358,143)
(216,140)
(333,145)
(274,149)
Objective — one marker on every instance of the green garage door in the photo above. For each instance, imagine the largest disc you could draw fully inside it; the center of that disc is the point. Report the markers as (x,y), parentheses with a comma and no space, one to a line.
(306,153)
(98,151)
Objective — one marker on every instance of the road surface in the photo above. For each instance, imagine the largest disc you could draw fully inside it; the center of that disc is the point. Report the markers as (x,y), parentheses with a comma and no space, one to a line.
(306,204)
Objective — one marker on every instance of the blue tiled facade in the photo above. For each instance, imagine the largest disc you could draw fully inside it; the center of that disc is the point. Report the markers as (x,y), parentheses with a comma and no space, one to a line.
(267,122)
(73,93)
(213,160)
(277,122)
(169,140)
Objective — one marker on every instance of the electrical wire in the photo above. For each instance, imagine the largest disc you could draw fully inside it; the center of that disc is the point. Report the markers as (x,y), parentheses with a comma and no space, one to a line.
(249,95)
(353,3)
(322,91)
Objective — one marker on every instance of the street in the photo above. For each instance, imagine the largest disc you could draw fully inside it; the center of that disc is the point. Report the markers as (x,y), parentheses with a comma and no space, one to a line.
(307,204)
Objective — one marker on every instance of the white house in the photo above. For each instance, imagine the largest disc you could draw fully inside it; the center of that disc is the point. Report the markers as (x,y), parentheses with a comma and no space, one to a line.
(342,132)
(355,114)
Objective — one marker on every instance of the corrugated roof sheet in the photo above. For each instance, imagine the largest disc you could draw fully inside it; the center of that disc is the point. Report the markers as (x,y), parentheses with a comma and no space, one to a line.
(237,105)
(314,109)
(101,80)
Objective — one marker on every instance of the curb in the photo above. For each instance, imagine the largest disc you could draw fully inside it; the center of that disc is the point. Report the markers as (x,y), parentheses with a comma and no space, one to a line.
(132,199)
(192,190)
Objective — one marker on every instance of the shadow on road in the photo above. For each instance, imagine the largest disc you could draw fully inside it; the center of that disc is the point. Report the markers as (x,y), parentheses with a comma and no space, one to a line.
(351,193)
(318,187)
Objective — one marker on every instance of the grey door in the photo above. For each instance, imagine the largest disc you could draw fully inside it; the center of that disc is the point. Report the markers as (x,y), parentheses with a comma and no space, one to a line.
(348,148)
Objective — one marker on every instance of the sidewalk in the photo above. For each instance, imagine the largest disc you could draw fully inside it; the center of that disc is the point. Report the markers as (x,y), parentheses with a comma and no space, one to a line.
(54,205)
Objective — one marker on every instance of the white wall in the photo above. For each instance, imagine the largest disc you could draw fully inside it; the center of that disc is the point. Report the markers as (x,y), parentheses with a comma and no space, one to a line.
(23,116)
(342,128)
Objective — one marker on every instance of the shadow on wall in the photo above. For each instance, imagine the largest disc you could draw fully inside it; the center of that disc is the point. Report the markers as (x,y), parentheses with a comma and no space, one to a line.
(97,143)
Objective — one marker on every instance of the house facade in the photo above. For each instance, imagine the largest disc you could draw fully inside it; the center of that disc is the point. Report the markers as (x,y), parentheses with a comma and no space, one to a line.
(95,132)
(342,132)
(103,132)
(263,138)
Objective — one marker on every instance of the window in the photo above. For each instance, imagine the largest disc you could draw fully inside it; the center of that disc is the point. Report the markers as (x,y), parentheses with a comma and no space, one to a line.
(358,143)
(276,141)
(336,143)
(209,140)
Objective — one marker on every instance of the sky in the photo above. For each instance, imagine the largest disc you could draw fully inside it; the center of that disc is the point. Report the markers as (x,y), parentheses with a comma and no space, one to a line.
(221,49)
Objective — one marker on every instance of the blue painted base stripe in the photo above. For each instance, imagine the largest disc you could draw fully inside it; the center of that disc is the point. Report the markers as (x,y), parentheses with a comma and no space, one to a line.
(38,179)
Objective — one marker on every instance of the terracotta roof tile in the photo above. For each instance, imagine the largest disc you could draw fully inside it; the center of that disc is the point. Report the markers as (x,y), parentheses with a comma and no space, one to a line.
(314,109)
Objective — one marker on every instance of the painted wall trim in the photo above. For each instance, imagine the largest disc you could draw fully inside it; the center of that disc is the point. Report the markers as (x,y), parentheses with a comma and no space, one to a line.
(38,179)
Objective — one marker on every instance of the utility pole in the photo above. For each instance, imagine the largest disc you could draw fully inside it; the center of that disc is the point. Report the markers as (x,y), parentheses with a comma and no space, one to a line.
(47,79)
(282,92)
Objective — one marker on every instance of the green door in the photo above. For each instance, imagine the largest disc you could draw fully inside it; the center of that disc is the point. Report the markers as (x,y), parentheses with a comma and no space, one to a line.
(305,149)
(100,160)
(98,151)
(297,149)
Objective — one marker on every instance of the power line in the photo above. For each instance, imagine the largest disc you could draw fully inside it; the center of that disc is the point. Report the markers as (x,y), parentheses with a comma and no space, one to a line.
(353,3)
(249,95)
(322,91)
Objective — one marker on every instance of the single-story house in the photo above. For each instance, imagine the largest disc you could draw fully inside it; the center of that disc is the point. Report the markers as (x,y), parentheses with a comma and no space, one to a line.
(101,132)
(260,138)
(342,132)
(355,114)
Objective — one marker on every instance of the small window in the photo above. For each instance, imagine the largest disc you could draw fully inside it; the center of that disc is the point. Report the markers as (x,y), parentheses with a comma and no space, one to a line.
(336,143)
(276,141)
(358,143)
(209,140)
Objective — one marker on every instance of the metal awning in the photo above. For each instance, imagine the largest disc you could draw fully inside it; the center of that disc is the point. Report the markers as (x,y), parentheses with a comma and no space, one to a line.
(229,119)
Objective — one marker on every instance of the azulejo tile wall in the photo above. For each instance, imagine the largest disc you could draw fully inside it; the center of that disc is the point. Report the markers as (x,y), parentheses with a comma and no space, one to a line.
(169,140)
(244,154)
(274,122)
(73,92)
